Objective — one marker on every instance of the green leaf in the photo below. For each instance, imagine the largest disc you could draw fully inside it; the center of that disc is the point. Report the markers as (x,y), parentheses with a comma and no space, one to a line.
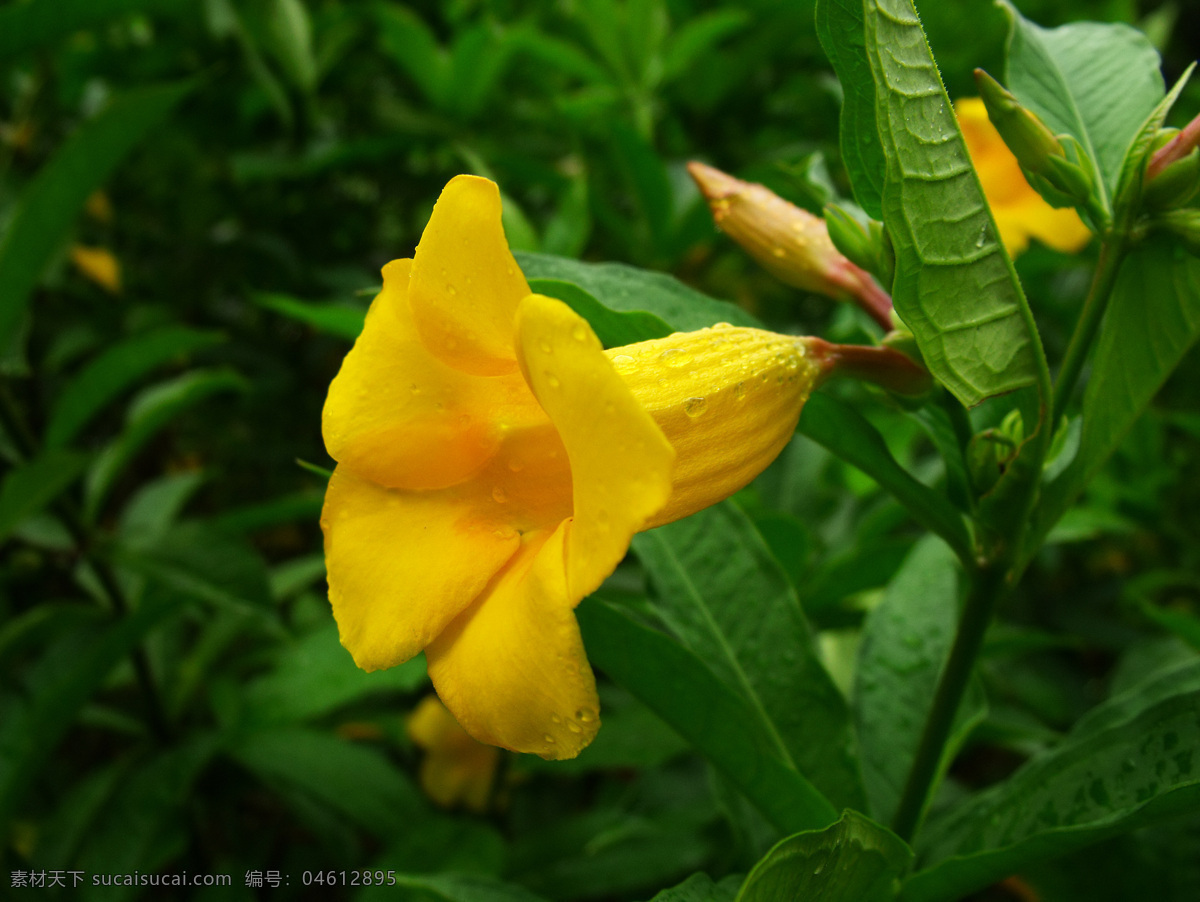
(1097,82)
(842,32)
(106,376)
(289,37)
(697,37)
(849,435)
(37,24)
(1130,762)
(478,58)
(48,207)
(955,286)
(612,328)
(406,38)
(626,288)
(72,667)
(906,641)
(700,888)
(705,567)
(1153,318)
(198,561)
(854,860)
(715,718)
(334,319)
(352,779)
(314,675)
(156,507)
(464,888)
(150,412)
(29,487)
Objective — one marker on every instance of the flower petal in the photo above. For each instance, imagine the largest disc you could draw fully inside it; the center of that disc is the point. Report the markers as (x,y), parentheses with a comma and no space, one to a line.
(402,418)
(404,564)
(465,283)
(512,668)
(620,460)
(456,768)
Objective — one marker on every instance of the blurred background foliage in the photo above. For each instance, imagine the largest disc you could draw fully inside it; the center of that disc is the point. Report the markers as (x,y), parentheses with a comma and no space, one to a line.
(195,292)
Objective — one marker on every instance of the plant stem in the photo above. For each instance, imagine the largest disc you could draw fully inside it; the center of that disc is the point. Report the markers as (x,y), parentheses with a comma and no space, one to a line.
(987,588)
(22,437)
(1112,252)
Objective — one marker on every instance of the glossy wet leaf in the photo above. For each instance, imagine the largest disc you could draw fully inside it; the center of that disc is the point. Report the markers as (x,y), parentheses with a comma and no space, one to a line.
(715,718)
(906,641)
(1130,762)
(725,597)
(853,860)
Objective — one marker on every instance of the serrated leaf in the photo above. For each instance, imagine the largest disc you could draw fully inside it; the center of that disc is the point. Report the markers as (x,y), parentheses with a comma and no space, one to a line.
(842,33)
(849,435)
(626,288)
(1097,82)
(705,567)
(29,487)
(955,286)
(717,720)
(853,860)
(1131,762)
(906,641)
(114,370)
(1153,318)
(49,205)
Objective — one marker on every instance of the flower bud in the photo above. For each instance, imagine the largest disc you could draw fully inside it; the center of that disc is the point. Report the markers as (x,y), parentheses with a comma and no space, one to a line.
(788,242)
(1175,185)
(1032,143)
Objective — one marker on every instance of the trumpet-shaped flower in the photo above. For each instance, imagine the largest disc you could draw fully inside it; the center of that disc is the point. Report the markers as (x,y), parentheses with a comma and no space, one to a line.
(494,462)
(1020,212)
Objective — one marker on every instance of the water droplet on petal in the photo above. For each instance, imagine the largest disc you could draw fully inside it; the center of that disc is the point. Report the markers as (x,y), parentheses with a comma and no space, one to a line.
(675,357)
(585,715)
(415,389)
(579,333)
(548,738)
(694,407)
(622,360)
(778,252)
(554,718)
(452,290)
(499,495)
(739,391)
(516,466)
(574,727)
(552,380)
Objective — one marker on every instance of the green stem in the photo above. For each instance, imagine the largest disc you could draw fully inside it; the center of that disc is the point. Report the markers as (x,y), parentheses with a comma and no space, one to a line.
(22,437)
(1112,252)
(988,587)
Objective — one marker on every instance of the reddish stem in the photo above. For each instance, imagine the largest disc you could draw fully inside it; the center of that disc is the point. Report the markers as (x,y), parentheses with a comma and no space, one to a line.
(884,366)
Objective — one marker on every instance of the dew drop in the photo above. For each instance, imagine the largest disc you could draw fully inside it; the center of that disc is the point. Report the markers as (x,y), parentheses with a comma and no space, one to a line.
(778,252)
(548,739)
(554,718)
(675,357)
(739,391)
(452,290)
(499,495)
(415,389)
(585,715)
(574,727)
(722,326)
(694,407)
(552,380)
(545,346)
(622,360)
(516,466)
(504,532)
(579,333)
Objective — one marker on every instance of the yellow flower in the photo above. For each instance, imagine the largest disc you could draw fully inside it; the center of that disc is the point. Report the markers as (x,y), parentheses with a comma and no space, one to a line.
(494,462)
(1020,212)
(456,769)
(98,265)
